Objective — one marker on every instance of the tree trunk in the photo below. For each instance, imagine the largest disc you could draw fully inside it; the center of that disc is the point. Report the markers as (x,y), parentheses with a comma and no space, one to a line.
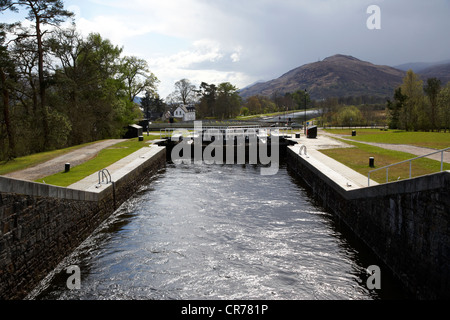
(5,95)
(42,84)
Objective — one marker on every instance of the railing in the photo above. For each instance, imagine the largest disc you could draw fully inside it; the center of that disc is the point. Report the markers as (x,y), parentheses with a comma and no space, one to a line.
(304,150)
(410,164)
(104,175)
(232,130)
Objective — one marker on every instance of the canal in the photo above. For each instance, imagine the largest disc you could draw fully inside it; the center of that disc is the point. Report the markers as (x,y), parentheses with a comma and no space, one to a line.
(204,232)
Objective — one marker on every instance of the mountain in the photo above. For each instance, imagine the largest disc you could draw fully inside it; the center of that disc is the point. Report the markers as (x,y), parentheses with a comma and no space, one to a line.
(441,72)
(414,66)
(254,83)
(418,67)
(335,76)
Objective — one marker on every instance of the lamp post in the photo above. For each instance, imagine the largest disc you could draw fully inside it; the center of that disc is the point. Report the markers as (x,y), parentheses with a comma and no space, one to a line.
(305,110)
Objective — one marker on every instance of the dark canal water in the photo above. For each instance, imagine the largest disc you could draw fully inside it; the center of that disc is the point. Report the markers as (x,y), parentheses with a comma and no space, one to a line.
(220,232)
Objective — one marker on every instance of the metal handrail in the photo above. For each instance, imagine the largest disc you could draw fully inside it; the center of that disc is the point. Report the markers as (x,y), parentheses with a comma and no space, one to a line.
(168,132)
(303,149)
(410,164)
(102,174)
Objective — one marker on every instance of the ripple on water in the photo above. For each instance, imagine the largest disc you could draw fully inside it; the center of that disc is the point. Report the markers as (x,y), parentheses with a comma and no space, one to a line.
(208,232)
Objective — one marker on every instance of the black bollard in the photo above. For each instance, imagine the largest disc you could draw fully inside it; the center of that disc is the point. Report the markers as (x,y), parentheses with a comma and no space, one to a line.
(67,167)
(372,162)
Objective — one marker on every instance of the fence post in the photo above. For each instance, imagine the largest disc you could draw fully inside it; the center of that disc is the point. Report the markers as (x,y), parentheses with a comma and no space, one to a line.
(410,169)
(387,175)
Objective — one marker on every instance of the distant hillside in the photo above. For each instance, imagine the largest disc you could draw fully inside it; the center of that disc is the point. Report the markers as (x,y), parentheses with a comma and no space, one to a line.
(441,72)
(418,67)
(336,76)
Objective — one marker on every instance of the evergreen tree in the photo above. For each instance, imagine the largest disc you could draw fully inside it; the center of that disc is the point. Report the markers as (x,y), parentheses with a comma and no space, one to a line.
(395,108)
(42,13)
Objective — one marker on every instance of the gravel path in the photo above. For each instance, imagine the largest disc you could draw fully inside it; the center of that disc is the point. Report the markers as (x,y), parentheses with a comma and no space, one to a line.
(57,164)
(418,151)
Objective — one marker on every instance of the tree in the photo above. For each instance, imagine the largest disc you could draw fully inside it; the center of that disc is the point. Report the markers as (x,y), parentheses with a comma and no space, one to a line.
(432,89)
(137,77)
(260,105)
(277,98)
(185,92)
(288,102)
(412,88)
(151,103)
(244,111)
(73,78)
(101,87)
(443,101)
(228,100)
(254,105)
(349,115)
(7,71)
(92,87)
(43,13)
(61,88)
(208,98)
(395,108)
(302,99)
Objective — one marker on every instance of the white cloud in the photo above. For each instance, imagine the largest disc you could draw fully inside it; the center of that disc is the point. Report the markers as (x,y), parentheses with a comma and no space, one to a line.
(201,28)
(178,66)
(235,40)
(236,56)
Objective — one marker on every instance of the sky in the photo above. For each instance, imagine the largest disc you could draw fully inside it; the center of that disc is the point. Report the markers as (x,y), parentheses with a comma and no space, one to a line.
(244,41)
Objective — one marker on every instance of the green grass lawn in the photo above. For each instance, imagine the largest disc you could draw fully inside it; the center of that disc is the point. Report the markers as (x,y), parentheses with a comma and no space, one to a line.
(357,158)
(105,158)
(434,140)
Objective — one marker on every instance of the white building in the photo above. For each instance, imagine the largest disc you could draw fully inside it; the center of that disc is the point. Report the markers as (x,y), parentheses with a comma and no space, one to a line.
(185,113)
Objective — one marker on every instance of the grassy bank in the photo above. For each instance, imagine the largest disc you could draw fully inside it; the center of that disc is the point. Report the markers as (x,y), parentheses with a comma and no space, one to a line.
(357,158)
(35,159)
(434,140)
(105,158)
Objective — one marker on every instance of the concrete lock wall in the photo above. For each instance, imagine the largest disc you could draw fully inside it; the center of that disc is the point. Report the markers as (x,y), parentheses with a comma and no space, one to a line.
(406,224)
(40,224)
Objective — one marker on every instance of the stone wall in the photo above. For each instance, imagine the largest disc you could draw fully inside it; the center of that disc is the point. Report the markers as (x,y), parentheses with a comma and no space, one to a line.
(37,232)
(406,224)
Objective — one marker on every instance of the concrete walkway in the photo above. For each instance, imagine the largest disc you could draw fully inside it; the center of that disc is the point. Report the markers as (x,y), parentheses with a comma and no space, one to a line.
(117,169)
(57,164)
(345,177)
